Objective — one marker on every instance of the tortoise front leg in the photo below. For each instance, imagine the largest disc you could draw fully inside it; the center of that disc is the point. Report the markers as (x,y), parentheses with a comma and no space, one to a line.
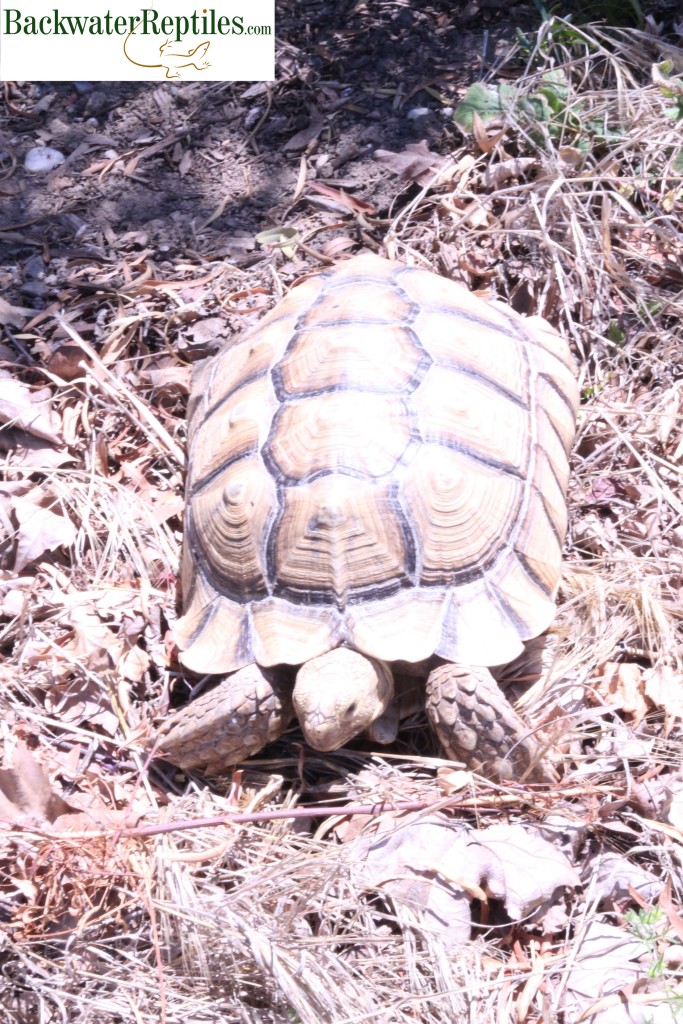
(250,708)
(476,724)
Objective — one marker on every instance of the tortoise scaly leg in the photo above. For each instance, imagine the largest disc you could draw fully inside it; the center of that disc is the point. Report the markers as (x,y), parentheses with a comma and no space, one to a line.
(250,708)
(476,724)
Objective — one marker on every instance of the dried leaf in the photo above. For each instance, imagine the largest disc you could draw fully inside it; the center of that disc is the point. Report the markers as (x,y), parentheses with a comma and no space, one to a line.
(29,410)
(168,378)
(26,794)
(415,163)
(342,199)
(185,165)
(613,876)
(532,869)
(94,645)
(40,530)
(133,664)
(13,316)
(667,418)
(497,174)
(80,700)
(485,142)
(604,961)
(602,492)
(307,135)
(32,452)
(663,684)
(399,864)
(452,780)
(672,810)
(432,867)
(622,685)
(68,362)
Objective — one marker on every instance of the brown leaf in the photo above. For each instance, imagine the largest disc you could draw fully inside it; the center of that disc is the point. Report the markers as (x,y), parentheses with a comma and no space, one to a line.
(663,684)
(302,138)
(485,142)
(415,163)
(497,174)
(82,700)
(29,410)
(452,780)
(532,869)
(40,530)
(430,864)
(667,418)
(29,452)
(603,491)
(605,960)
(342,199)
(185,165)
(169,377)
(133,664)
(622,685)
(94,645)
(26,794)
(13,316)
(67,362)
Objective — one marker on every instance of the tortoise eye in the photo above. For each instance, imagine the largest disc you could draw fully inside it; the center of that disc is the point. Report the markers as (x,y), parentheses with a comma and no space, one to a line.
(351,708)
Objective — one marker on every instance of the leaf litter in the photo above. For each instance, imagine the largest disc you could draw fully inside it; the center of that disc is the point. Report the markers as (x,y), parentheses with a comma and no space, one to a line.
(438,897)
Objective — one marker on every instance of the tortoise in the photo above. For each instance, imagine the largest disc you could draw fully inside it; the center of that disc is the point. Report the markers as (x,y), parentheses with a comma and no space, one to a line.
(376,490)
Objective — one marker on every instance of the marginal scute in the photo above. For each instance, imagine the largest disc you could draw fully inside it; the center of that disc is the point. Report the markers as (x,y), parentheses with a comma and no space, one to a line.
(284,633)
(553,395)
(405,626)
(537,543)
(379,463)
(212,635)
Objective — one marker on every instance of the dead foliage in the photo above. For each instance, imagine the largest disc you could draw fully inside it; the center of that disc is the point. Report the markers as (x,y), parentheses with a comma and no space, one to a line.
(339,887)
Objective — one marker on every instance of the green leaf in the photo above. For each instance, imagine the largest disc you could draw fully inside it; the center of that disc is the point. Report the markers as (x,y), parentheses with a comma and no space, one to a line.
(486,102)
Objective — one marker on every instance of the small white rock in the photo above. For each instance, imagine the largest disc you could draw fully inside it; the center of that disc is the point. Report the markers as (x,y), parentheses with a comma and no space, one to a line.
(418,112)
(43,159)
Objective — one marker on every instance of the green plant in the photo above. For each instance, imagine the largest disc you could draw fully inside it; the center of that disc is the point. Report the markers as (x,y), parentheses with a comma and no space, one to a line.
(544,107)
(651,926)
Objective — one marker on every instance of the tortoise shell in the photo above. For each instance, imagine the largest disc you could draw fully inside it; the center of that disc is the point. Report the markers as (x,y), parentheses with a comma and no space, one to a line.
(380,463)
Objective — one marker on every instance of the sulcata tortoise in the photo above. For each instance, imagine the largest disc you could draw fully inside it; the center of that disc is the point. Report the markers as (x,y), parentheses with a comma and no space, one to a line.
(376,491)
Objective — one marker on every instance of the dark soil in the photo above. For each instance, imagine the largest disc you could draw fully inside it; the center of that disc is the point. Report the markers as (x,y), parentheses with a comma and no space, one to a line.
(359,77)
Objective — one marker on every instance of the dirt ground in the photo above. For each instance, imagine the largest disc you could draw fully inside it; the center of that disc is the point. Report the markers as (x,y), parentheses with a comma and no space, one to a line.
(351,79)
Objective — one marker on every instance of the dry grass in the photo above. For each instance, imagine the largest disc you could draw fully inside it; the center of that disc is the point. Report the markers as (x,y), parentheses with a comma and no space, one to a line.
(267,922)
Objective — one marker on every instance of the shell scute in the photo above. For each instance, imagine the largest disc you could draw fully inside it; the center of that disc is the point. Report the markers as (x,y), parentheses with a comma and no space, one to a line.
(340,536)
(348,431)
(466,414)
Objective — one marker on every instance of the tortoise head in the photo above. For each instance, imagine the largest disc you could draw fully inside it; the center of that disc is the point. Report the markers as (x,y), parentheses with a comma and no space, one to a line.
(340,694)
